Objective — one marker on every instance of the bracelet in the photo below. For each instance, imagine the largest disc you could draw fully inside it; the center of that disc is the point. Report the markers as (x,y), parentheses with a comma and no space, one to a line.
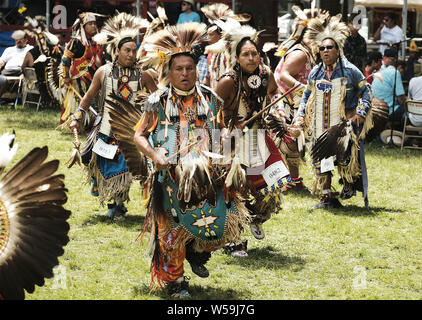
(79,114)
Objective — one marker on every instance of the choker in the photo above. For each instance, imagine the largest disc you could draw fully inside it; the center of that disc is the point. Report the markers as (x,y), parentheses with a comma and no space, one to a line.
(183,93)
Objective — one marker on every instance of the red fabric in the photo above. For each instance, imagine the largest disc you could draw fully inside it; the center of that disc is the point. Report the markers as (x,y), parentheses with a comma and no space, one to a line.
(258,181)
(368,76)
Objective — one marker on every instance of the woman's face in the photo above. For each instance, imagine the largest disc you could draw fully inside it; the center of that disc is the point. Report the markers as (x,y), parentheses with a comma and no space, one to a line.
(248,58)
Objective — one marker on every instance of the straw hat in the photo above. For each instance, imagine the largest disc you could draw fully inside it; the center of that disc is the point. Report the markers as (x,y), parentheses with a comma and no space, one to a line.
(397,137)
(192,2)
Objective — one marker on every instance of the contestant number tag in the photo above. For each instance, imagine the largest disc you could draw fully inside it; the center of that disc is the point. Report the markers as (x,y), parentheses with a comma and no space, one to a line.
(327,164)
(275,172)
(104,150)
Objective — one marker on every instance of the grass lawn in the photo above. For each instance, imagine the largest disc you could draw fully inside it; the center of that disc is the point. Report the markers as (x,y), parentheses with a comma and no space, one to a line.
(345,253)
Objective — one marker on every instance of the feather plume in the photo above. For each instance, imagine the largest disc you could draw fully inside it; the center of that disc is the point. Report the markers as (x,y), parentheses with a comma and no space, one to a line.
(221,11)
(162,45)
(7,149)
(236,177)
(323,27)
(33,226)
(195,182)
(123,25)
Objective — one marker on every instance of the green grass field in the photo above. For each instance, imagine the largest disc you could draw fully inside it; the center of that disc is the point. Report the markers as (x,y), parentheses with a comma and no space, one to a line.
(345,253)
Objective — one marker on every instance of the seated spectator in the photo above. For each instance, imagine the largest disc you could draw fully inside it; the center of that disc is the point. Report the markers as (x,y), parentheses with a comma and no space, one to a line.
(12,59)
(415,93)
(411,61)
(188,15)
(384,89)
(373,62)
(401,67)
(388,31)
(355,45)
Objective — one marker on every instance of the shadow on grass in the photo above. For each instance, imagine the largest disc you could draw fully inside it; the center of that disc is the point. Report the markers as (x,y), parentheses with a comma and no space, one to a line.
(360,211)
(268,258)
(131,221)
(197,292)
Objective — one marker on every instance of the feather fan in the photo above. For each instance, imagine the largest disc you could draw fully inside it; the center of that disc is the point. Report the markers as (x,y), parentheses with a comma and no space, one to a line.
(333,142)
(33,226)
(123,119)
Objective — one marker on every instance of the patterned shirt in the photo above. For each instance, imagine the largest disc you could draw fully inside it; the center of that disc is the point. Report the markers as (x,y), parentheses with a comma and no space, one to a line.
(356,86)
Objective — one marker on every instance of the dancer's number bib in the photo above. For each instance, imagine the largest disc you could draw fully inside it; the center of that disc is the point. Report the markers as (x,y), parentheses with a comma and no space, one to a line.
(327,164)
(274,173)
(105,150)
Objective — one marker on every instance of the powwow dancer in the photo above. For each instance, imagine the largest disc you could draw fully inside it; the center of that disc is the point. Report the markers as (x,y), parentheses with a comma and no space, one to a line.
(330,109)
(244,90)
(46,52)
(218,14)
(101,154)
(33,221)
(188,213)
(81,58)
(297,60)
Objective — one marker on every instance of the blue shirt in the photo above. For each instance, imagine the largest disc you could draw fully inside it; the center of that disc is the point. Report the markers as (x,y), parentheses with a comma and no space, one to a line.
(356,86)
(192,17)
(384,90)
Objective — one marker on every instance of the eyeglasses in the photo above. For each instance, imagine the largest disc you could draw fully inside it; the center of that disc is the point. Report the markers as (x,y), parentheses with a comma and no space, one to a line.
(322,48)
(184,4)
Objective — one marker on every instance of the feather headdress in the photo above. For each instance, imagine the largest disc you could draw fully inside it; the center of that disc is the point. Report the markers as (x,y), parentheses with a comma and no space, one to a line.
(162,45)
(158,23)
(78,30)
(121,26)
(221,11)
(301,22)
(321,28)
(233,34)
(37,29)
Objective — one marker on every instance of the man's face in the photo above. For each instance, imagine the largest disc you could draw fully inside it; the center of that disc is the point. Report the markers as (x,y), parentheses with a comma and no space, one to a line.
(185,6)
(376,65)
(328,51)
(21,43)
(91,28)
(127,54)
(183,73)
(248,57)
(388,22)
(389,61)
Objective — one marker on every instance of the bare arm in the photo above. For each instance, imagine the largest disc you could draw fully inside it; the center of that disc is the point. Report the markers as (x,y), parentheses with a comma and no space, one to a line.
(2,63)
(140,138)
(294,63)
(92,92)
(226,90)
(28,61)
(148,81)
(377,34)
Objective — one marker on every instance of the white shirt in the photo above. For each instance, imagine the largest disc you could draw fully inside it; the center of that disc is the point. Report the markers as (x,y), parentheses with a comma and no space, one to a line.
(14,56)
(392,35)
(415,93)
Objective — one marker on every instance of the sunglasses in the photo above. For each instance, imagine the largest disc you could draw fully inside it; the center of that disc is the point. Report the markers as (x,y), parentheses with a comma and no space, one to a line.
(326,47)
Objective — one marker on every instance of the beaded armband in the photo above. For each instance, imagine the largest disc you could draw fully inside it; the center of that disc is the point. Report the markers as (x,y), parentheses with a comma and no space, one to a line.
(363,108)
(79,114)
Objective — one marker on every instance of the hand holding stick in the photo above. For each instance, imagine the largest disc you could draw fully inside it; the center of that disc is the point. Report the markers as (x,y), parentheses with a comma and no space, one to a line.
(256,115)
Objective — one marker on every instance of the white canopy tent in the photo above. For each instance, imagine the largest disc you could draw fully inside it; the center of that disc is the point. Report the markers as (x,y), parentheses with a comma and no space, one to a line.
(411,4)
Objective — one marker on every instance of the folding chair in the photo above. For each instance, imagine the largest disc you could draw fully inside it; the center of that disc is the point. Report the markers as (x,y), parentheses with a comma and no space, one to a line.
(30,86)
(415,108)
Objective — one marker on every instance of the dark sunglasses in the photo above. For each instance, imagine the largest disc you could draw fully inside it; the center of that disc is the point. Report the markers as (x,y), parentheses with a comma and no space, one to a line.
(326,47)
